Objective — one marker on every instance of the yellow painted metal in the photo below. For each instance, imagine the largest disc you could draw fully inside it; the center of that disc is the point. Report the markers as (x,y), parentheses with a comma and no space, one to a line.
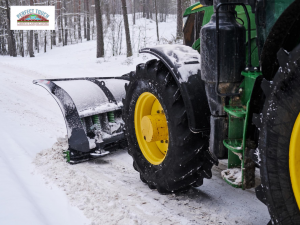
(197,7)
(149,114)
(294,160)
(154,128)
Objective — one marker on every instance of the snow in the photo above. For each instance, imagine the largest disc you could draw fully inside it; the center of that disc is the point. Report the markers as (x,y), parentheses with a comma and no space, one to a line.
(89,99)
(25,197)
(108,191)
(92,143)
(234,175)
(257,153)
(105,191)
(185,59)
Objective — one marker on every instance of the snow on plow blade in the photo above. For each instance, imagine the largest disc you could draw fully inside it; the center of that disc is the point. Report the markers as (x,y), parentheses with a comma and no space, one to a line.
(92,109)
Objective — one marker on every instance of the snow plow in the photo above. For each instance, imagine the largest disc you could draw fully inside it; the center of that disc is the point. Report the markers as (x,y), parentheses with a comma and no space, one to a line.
(94,125)
(230,92)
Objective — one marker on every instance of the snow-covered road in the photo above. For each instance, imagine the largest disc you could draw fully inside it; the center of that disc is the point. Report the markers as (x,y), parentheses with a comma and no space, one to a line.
(104,191)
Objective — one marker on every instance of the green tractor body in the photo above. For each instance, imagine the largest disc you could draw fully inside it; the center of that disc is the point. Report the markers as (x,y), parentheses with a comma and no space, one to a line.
(237,109)
(270,32)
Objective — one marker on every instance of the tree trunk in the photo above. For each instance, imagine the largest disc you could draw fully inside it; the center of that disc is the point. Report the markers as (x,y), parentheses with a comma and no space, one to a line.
(179,20)
(107,12)
(79,21)
(53,38)
(22,44)
(185,4)
(36,45)
(84,19)
(30,47)
(62,28)
(75,10)
(126,25)
(147,9)
(45,41)
(13,43)
(151,4)
(100,42)
(11,36)
(88,30)
(157,33)
(144,8)
(134,5)
(59,21)
(66,23)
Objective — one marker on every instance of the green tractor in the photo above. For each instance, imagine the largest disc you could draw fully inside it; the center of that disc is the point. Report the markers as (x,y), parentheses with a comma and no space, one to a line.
(232,91)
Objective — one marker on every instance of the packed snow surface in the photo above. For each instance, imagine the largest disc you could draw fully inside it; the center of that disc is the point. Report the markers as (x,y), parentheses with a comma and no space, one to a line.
(105,191)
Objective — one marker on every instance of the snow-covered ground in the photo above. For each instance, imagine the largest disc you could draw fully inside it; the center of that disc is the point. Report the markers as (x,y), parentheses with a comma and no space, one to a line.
(37,187)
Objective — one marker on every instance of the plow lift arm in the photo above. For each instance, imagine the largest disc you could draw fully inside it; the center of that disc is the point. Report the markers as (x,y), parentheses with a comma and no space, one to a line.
(92,109)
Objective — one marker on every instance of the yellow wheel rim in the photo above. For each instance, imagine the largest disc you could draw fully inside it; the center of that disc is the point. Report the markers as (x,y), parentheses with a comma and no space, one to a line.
(294,160)
(151,128)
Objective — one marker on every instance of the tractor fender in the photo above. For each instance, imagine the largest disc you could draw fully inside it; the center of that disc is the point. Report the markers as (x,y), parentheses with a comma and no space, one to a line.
(183,63)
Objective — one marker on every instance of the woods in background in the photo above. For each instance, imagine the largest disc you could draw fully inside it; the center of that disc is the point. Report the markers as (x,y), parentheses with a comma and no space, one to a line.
(78,20)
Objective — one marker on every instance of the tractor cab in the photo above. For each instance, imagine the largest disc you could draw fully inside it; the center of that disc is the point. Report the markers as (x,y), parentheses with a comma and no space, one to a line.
(194,18)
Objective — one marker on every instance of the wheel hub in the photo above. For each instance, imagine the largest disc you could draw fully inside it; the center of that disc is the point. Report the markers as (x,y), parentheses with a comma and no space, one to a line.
(151,128)
(154,128)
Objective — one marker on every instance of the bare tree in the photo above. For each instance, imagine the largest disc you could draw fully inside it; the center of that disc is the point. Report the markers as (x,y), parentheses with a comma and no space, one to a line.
(126,25)
(30,47)
(134,5)
(66,23)
(88,30)
(179,20)
(100,41)
(36,42)
(107,11)
(185,4)
(157,33)
(11,36)
(79,20)
(21,44)
(45,42)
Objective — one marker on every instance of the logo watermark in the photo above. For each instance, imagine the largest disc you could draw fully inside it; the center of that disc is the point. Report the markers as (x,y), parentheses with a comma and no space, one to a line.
(32,17)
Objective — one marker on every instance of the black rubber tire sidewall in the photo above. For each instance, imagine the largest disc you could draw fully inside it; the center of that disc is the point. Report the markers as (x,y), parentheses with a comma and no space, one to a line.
(281,109)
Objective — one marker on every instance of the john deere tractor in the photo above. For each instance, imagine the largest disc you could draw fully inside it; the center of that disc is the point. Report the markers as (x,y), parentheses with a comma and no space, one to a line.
(232,91)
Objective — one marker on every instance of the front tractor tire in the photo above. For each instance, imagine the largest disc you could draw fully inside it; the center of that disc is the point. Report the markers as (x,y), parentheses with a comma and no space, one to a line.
(168,156)
(279,142)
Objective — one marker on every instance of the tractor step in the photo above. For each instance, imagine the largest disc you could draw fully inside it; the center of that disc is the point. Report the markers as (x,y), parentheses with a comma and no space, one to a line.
(236,111)
(234,145)
(233,177)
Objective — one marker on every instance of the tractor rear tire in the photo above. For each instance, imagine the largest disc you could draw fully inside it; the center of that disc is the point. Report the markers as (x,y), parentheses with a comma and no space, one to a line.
(188,160)
(281,109)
